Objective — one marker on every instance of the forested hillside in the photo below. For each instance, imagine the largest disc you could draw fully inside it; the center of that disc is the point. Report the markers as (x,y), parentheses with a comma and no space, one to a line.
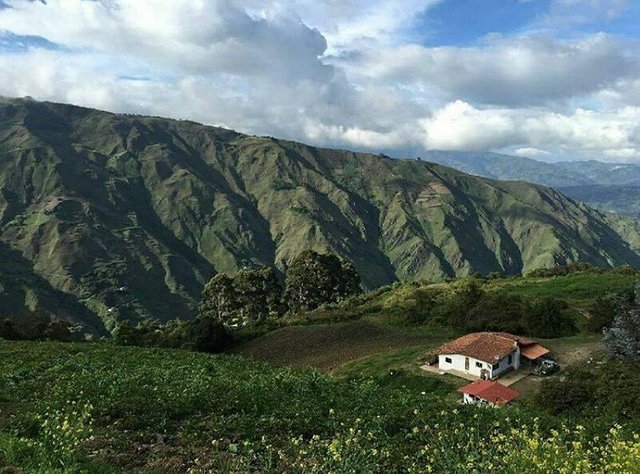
(105,216)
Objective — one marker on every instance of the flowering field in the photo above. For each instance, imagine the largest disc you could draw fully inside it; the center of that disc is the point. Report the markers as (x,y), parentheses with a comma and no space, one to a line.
(101,408)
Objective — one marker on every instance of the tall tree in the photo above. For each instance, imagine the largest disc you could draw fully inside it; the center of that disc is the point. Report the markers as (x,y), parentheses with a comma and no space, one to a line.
(258,295)
(314,279)
(622,340)
(219,299)
(248,297)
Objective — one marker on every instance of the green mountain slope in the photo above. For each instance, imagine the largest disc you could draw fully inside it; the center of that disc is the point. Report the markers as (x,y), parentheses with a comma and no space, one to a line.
(106,216)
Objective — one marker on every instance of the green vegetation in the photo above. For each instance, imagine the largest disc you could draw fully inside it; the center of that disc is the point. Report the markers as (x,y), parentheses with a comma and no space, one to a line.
(396,328)
(545,307)
(250,297)
(399,369)
(245,299)
(36,329)
(598,389)
(622,338)
(103,408)
(315,279)
(202,334)
(106,218)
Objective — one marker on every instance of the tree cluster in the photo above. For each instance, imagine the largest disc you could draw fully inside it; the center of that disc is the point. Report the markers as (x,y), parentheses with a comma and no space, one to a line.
(471,308)
(314,279)
(250,297)
(580,267)
(201,334)
(40,329)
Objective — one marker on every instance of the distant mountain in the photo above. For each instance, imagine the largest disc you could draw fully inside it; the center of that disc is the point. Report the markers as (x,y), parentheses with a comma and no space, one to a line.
(621,199)
(599,173)
(610,187)
(506,167)
(106,216)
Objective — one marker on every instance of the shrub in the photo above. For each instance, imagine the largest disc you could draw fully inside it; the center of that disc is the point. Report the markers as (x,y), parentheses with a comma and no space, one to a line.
(202,334)
(622,339)
(9,331)
(599,390)
(548,318)
(603,309)
(497,312)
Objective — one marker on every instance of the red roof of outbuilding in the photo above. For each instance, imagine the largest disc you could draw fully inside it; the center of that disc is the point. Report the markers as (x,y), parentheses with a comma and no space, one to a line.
(493,392)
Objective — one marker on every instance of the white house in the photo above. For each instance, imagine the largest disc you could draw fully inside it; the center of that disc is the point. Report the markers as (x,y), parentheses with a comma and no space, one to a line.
(487,355)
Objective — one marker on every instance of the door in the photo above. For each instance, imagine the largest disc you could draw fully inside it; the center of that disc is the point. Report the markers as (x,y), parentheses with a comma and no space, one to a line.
(466,363)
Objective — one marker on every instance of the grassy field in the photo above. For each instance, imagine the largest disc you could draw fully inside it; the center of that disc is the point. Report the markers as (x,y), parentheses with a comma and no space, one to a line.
(329,346)
(370,336)
(578,289)
(343,392)
(99,408)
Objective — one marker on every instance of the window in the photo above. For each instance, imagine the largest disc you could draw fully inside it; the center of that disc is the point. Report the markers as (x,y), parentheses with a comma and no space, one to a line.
(479,365)
(510,359)
(447,360)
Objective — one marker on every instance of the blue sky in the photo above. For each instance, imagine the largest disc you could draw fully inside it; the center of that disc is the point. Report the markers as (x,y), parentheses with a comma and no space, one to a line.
(465,22)
(549,79)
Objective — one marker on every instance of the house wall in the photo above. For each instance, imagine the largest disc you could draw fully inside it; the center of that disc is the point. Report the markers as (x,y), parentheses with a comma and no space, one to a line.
(458,363)
(504,365)
(471,399)
(476,366)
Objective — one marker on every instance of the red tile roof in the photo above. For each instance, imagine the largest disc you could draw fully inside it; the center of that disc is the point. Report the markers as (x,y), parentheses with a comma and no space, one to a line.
(492,392)
(534,351)
(523,341)
(488,347)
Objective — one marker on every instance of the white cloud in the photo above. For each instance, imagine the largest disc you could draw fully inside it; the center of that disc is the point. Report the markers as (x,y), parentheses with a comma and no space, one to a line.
(183,36)
(510,71)
(566,13)
(331,72)
(460,126)
(531,152)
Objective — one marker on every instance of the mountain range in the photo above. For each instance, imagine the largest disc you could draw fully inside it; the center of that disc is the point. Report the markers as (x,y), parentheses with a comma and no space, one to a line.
(611,187)
(106,216)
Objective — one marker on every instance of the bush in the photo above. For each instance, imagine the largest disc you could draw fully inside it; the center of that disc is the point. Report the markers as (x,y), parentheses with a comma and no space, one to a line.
(564,270)
(605,390)
(472,309)
(622,339)
(568,394)
(9,331)
(602,311)
(41,328)
(202,334)
(548,318)
(497,312)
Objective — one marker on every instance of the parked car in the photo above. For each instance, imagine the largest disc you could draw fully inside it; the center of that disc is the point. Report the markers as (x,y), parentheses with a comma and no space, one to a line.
(547,367)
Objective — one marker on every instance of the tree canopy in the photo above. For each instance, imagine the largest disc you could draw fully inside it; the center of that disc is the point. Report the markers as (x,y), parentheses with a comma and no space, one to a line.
(314,279)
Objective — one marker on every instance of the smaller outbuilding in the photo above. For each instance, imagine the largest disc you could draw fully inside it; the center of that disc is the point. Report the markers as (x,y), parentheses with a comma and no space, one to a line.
(488,392)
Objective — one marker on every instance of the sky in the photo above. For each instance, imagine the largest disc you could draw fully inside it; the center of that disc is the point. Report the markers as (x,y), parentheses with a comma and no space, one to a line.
(546,79)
